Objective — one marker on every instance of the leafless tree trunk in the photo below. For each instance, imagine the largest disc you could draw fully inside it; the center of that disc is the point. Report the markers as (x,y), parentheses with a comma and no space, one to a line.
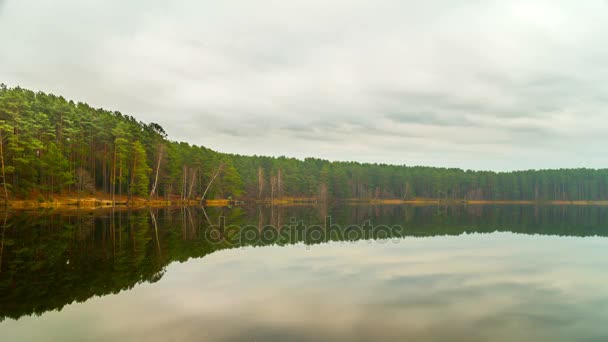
(160,157)
(279,182)
(407,191)
(193,232)
(206,216)
(260,218)
(2,242)
(155,231)
(192,182)
(120,178)
(3,171)
(260,181)
(273,185)
(132,182)
(184,181)
(114,179)
(216,173)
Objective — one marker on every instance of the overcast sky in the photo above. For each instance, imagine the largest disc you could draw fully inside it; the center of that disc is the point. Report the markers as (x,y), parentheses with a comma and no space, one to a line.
(474,84)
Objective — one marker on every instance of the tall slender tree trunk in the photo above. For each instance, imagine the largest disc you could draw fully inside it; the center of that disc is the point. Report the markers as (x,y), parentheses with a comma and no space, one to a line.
(206,216)
(133,173)
(200,181)
(104,163)
(15,172)
(120,179)
(260,182)
(3,170)
(273,185)
(91,159)
(160,157)
(217,172)
(184,181)
(2,239)
(155,231)
(192,183)
(113,181)
(279,181)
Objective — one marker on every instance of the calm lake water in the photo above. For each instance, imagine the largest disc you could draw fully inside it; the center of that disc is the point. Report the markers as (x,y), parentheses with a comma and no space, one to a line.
(476,273)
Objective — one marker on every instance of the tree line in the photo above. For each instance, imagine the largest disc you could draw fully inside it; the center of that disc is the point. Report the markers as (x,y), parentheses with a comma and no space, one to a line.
(50,145)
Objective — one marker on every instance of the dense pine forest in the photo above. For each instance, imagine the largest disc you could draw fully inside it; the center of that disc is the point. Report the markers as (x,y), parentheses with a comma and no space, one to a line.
(51,146)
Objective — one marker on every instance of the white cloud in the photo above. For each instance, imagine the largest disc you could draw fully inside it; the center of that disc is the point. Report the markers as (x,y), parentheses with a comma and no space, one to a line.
(474,84)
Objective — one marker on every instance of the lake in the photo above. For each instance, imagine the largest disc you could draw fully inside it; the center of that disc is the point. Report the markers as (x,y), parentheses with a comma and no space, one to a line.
(306,273)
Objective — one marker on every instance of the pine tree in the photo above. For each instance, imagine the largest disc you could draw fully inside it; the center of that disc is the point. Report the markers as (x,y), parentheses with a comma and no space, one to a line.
(140,172)
(57,169)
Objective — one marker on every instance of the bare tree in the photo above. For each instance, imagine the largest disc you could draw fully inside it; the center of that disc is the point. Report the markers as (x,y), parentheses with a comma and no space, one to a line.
(406,194)
(260,181)
(192,182)
(155,231)
(279,183)
(3,169)
(206,216)
(184,181)
(2,242)
(273,186)
(161,149)
(215,174)
(113,180)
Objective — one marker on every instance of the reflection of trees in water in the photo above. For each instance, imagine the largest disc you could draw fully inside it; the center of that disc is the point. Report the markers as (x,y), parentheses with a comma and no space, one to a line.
(4,222)
(48,260)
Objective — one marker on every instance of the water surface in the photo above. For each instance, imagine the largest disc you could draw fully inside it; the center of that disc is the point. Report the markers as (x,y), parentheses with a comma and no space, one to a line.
(450,273)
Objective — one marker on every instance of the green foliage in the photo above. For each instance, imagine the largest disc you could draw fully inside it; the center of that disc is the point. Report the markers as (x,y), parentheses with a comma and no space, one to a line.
(140,171)
(56,168)
(229,183)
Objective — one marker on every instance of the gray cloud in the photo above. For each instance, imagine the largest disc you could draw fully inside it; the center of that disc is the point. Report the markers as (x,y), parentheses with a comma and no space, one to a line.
(490,85)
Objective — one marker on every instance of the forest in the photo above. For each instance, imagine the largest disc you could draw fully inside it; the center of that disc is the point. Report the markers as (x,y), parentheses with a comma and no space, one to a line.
(51,146)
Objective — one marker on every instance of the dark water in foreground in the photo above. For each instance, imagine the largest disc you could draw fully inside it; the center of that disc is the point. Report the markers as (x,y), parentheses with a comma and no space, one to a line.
(501,273)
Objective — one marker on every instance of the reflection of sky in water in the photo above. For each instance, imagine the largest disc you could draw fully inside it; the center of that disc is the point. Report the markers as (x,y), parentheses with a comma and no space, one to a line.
(472,287)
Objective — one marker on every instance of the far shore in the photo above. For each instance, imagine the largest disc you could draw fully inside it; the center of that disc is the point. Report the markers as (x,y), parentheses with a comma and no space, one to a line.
(431,201)
(69,202)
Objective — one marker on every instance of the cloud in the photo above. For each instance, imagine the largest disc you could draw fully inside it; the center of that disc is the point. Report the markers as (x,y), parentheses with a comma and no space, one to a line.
(499,85)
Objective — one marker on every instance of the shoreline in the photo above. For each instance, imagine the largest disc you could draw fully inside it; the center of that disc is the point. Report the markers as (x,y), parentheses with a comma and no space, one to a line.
(92,203)
(104,203)
(431,201)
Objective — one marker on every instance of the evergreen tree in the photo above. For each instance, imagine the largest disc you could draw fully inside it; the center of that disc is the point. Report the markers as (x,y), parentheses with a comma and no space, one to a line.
(56,169)
(140,171)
